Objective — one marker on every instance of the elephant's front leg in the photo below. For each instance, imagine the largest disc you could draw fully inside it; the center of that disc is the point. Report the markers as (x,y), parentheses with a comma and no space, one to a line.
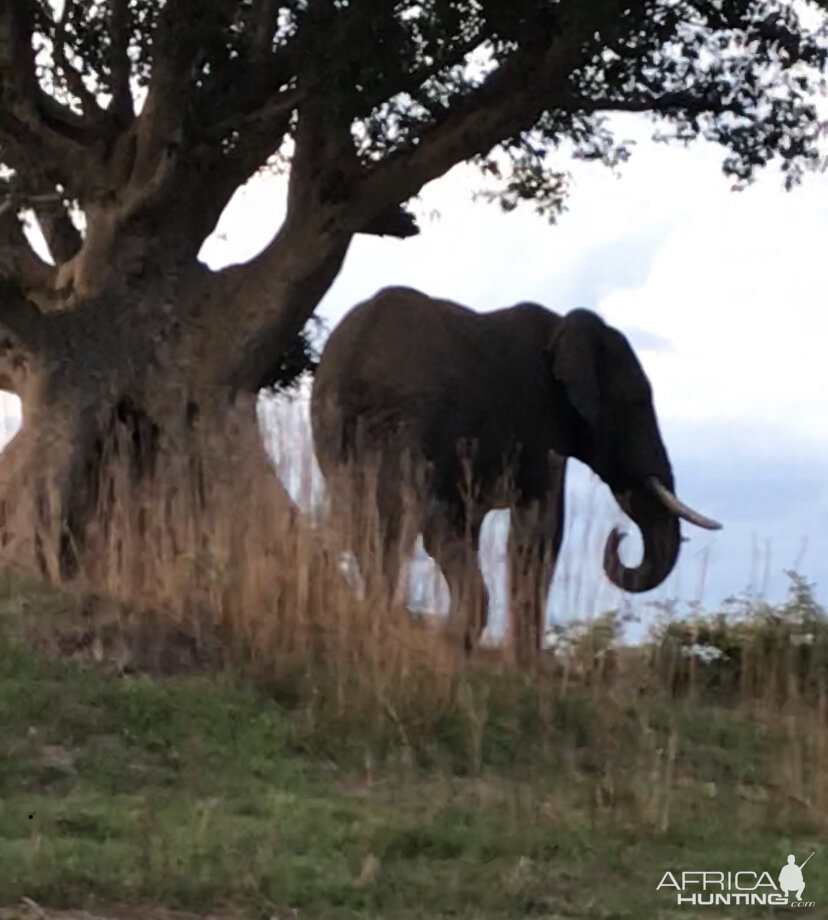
(451,536)
(535,537)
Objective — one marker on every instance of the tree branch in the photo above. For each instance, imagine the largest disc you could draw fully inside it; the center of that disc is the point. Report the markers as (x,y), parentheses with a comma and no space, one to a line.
(33,188)
(20,318)
(257,308)
(274,111)
(19,265)
(74,80)
(185,27)
(680,101)
(123,105)
(260,117)
(507,103)
(16,54)
(454,54)
(53,137)
(62,236)
(262,304)
(20,92)
(264,19)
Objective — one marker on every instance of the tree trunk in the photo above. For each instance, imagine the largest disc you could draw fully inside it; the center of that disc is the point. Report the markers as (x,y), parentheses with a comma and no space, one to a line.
(139,473)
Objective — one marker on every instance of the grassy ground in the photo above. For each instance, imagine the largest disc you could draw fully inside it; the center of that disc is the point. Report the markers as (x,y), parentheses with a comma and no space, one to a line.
(205,794)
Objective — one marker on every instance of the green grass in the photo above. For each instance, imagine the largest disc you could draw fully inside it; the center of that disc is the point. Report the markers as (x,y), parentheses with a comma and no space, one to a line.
(204,794)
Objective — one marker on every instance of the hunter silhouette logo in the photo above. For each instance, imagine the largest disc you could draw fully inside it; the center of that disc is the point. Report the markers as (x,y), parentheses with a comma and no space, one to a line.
(746,887)
(790,878)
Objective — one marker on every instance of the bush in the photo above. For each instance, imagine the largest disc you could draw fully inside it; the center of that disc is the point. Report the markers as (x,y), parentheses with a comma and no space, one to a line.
(752,649)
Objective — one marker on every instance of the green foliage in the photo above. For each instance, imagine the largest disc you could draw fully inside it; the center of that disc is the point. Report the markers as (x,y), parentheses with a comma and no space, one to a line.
(299,360)
(752,646)
(744,74)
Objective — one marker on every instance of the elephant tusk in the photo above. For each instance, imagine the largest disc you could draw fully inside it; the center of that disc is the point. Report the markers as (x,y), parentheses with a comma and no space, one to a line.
(677,507)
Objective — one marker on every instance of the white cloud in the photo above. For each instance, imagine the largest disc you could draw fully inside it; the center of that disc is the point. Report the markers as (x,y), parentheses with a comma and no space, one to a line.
(737,288)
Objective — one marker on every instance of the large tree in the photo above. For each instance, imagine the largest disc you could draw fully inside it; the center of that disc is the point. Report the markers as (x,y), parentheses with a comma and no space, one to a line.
(127,125)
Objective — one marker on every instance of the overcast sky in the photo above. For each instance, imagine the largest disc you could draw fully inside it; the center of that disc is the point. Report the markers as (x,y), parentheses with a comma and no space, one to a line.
(722,294)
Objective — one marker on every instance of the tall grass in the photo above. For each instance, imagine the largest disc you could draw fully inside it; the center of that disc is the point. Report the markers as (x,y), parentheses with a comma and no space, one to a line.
(231,576)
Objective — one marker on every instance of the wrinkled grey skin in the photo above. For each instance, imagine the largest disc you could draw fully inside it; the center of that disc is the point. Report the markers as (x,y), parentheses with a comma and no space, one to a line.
(459,413)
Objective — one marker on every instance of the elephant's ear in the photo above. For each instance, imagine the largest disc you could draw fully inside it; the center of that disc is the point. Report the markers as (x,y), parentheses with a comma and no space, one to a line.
(574,353)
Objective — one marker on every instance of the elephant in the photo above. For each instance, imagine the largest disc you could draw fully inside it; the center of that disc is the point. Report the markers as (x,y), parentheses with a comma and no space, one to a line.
(457,412)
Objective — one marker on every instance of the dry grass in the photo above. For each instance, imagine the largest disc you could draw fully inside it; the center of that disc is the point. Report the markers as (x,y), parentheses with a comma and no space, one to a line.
(371,766)
(231,575)
(209,559)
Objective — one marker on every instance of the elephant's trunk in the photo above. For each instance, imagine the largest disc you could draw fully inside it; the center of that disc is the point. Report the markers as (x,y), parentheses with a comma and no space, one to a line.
(656,511)
(661,547)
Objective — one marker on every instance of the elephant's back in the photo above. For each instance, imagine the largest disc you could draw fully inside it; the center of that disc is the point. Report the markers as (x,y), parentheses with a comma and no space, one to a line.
(395,330)
(437,370)
(398,341)
(385,363)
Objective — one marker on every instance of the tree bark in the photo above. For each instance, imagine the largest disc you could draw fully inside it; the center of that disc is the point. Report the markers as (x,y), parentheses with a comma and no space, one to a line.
(139,471)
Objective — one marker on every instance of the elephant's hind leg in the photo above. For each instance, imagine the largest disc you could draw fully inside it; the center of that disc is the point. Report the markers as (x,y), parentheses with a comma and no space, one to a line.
(453,541)
(390,531)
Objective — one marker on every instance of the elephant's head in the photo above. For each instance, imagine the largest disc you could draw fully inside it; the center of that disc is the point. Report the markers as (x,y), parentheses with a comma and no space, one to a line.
(615,432)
